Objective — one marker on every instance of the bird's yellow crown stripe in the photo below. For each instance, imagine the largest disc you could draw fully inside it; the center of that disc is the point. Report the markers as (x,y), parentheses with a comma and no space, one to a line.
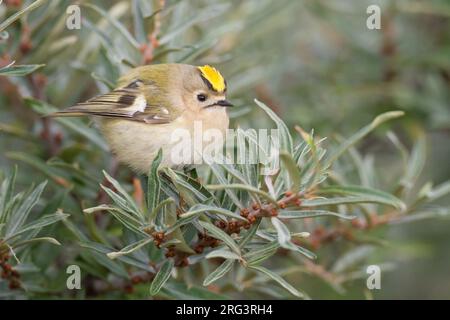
(214,78)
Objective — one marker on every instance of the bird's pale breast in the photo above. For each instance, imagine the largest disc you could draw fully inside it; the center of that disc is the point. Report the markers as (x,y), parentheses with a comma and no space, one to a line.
(136,144)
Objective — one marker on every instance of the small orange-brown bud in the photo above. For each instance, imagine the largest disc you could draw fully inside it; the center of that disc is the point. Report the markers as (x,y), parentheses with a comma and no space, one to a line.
(15,273)
(198,248)
(14,284)
(170,253)
(215,243)
(7,267)
(14,3)
(184,262)
(143,47)
(244,212)
(136,279)
(221,224)
(25,46)
(158,236)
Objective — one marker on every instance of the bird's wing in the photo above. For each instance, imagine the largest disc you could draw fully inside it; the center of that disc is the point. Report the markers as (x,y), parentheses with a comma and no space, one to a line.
(128,103)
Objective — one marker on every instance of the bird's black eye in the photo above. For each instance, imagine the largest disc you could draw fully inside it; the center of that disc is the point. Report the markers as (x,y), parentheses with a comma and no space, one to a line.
(201,97)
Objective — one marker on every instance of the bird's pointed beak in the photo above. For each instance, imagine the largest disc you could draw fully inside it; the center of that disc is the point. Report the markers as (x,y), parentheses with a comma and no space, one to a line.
(224,103)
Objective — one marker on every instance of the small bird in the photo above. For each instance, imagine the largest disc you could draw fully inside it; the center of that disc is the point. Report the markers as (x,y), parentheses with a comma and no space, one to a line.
(149,104)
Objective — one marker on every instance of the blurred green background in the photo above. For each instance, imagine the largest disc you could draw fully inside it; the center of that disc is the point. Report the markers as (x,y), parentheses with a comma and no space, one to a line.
(314,62)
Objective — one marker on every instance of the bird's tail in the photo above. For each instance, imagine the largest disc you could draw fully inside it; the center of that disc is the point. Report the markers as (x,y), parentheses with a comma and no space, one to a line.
(65,113)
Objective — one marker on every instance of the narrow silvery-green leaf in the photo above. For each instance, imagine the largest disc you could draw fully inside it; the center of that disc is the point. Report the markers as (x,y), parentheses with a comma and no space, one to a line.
(22,212)
(161,277)
(40,165)
(19,70)
(223,180)
(203,195)
(251,153)
(171,243)
(201,208)
(146,8)
(284,236)
(285,136)
(267,235)
(122,203)
(370,194)
(222,253)
(40,223)
(106,82)
(160,206)
(244,187)
(101,207)
(116,24)
(278,279)
(40,239)
(208,13)
(221,235)
(284,239)
(301,214)
(130,203)
(104,250)
(317,202)
(257,256)
(293,171)
(416,162)
(235,173)
(250,171)
(219,272)
(171,219)
(189,193)
(351,258)
(6,192)
(99,251)
(138,22)
(130,248)
(122,216)
(250,233)
(197,50)
(439,191)
(180,222)
(153,185)
(312,171)
(362,133)
(293,247)
(439,212)
(127,220)
(285,139)
(20,13)
(393,137)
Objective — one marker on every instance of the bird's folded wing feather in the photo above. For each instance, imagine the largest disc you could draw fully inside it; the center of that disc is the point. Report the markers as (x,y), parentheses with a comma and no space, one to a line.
(128,103)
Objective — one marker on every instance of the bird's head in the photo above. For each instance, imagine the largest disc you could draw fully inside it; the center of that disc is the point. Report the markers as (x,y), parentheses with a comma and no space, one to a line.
(204,88)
